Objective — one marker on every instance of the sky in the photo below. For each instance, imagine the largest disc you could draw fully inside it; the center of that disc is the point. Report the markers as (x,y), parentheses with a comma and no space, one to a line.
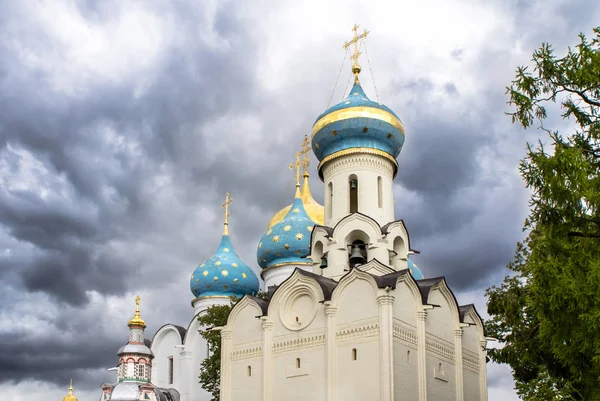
(124,123)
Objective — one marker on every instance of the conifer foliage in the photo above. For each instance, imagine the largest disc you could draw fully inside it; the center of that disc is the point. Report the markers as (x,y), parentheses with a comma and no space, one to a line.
(547,312)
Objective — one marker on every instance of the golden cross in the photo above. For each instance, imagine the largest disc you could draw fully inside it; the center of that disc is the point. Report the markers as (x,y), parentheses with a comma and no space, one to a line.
(297,167)
(305,149)
(137,304)
(356,54)
(226,204)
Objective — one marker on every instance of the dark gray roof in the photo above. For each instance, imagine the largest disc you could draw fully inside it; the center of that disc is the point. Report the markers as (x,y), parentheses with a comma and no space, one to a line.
(264,304)
(425,286)
(327,285)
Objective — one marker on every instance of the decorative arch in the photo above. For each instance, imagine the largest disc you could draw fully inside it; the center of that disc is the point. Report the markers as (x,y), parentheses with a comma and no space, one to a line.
(162,332)
(245,302)
(349,278)
(356,223)
(448,296)
(412,285)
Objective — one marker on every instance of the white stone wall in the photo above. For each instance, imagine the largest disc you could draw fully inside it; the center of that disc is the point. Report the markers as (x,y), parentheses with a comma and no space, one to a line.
(336,350)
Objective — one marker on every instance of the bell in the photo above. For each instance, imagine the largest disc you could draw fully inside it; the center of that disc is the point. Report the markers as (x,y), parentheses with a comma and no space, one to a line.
(353,184)
(323,263)
(356,256)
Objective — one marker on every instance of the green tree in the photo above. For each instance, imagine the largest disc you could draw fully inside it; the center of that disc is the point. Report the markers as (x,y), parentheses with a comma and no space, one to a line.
(210,368)
(547,312)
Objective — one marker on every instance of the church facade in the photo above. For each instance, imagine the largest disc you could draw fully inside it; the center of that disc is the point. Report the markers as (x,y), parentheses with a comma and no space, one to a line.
(349,316)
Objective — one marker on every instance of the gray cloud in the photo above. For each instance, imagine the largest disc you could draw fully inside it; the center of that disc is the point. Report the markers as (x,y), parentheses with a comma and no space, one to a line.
(112,176)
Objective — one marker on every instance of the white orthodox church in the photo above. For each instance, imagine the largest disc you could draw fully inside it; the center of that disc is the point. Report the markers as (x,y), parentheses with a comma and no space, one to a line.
(349,316)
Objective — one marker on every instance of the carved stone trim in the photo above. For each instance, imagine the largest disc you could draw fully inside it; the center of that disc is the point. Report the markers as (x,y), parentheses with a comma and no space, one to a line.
(405,335)
(470,361)
(298,343)
(246,353)
(364,332)
(378,163)
(434,346)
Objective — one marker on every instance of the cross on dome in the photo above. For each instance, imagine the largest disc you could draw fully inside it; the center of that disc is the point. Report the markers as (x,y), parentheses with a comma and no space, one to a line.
(354,41)
(225,205)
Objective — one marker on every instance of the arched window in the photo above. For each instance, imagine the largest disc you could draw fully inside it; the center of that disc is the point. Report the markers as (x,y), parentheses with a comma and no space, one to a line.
(379,193)
(354,354)
(249,370)
(298,363)
(353,191)
(408,356)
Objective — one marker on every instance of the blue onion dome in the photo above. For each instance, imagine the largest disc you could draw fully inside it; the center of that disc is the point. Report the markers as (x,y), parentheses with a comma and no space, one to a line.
(357,125)
(224,274)
(414,270)
(287,241)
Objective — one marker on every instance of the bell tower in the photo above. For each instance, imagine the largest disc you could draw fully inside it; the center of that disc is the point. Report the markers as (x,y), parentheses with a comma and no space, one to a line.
(357,142)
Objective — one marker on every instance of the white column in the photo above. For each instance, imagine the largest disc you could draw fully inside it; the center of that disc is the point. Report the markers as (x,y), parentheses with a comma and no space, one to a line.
(267,390)
(422,353)
(330,353)
(458,364)
(483,371)
(386,349)
(187,375)
(225,365)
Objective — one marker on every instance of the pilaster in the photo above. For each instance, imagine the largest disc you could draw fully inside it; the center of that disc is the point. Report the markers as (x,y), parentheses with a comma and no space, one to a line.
(267,389)
(386,349)
(483,370)
(225,365)
(331,353)
(422,353)
(188,375)
(458,363)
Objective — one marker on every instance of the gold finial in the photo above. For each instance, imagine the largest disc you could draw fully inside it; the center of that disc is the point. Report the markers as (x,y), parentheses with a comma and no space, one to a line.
(225,205)
(356,54)
(70,396)
(305,149)
(137,319)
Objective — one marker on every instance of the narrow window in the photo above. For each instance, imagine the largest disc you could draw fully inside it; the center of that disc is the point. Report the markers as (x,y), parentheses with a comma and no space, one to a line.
(141,370)
(379,193)
(440,368)
(353,189)
(408,356)
(298,363)
(354,354)
(170,370)
(329,201)
(249,370)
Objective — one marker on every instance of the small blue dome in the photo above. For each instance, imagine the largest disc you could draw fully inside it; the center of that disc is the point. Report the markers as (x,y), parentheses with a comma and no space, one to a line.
(224,274)
(357,123)
(414,270)
(287,242)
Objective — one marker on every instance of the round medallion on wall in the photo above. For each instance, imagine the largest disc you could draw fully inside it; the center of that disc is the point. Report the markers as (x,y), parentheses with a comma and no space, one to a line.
(299,308)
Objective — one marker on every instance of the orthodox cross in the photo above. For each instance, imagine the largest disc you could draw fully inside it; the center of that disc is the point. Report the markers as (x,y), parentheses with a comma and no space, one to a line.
(356,54)
(225,205)
(137,305)
(305,149)
(297,167)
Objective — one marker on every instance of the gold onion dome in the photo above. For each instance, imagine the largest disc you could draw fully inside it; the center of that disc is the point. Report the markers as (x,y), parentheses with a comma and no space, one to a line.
(314,210)
(70,396)
(137,320)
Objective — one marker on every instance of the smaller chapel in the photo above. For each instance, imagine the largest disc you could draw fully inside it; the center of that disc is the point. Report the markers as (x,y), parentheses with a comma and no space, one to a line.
(135,369)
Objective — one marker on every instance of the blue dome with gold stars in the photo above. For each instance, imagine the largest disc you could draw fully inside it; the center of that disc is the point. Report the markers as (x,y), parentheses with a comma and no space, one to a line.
(357,125)
(414,270)
(224,274)
(288,241)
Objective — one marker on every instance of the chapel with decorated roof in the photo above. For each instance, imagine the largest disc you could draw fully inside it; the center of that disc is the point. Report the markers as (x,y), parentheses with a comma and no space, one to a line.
(349,314)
